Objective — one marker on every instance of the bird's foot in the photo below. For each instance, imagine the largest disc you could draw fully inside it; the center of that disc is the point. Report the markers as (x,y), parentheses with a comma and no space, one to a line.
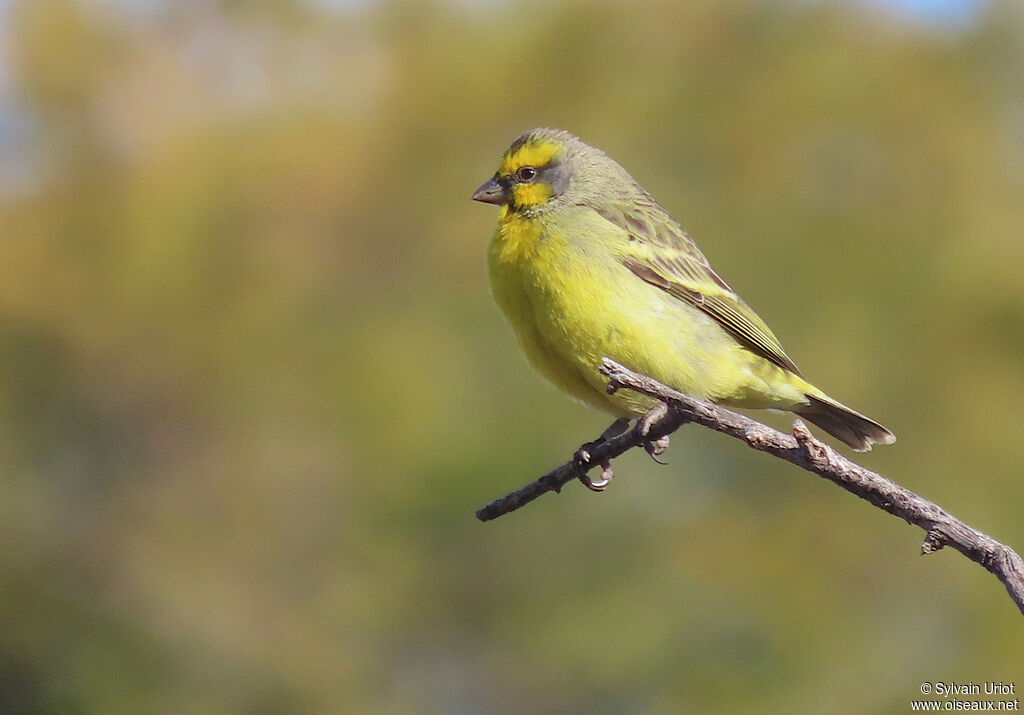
(657,447)
(604,481)
(583,457)
(643,426)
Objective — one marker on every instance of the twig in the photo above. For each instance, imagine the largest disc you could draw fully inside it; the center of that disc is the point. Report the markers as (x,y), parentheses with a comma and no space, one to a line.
(802,449)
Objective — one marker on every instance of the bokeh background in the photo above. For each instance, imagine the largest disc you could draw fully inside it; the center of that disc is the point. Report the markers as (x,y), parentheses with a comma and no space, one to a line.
(253,387)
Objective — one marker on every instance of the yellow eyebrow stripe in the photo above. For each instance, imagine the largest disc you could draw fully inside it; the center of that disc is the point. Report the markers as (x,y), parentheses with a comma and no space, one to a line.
(533,153)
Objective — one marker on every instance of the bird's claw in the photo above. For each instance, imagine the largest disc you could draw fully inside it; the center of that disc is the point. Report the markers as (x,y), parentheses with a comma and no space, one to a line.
(657,447)
(583,458)
(643,426)
(604,481)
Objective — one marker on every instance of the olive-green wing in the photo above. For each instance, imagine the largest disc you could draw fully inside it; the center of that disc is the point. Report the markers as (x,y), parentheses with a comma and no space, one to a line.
(660,253)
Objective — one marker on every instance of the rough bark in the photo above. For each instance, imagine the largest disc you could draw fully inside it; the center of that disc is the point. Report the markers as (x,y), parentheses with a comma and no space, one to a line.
(800,448)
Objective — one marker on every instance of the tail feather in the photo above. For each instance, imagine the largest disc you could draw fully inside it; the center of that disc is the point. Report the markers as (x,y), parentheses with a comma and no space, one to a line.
(844,424)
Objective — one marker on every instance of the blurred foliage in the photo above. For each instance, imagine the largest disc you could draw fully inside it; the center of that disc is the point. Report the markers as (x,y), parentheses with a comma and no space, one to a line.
(252,385)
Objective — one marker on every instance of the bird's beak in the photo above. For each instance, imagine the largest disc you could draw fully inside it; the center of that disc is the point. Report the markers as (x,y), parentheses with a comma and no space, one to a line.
(490,192)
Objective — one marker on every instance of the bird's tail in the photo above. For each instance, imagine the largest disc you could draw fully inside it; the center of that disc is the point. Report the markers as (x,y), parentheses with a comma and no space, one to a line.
(843,423)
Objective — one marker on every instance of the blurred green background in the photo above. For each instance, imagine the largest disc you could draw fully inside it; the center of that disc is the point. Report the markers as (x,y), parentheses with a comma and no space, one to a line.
(253,386)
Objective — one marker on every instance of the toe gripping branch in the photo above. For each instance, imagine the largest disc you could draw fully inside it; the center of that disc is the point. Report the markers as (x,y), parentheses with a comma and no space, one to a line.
(650,432)
(640,434)
(800,448)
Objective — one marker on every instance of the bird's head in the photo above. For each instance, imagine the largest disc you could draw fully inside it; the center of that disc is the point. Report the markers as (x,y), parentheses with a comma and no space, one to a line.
(545,168)
(533,172)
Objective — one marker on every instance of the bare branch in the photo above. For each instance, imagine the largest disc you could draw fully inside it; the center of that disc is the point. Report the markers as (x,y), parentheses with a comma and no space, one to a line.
(801,448)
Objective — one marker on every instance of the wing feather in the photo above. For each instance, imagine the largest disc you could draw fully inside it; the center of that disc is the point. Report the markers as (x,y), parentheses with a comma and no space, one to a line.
(662,254)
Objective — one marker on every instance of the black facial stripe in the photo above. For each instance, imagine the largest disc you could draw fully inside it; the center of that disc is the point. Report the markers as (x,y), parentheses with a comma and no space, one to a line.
(555,173)
(506,187)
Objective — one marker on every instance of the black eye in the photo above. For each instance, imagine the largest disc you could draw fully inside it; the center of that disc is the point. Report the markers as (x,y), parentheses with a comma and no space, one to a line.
(526,173)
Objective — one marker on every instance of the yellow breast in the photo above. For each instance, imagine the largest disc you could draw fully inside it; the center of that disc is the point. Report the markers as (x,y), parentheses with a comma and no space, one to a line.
(516,241)
(537,281)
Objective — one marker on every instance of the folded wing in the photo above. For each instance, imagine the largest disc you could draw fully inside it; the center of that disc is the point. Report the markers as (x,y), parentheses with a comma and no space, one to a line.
(662,254)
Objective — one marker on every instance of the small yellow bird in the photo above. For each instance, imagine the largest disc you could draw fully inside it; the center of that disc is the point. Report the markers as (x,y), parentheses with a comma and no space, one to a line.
(585,264)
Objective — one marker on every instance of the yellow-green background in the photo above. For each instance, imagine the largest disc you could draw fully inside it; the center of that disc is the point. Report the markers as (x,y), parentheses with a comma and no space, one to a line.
(253,387)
